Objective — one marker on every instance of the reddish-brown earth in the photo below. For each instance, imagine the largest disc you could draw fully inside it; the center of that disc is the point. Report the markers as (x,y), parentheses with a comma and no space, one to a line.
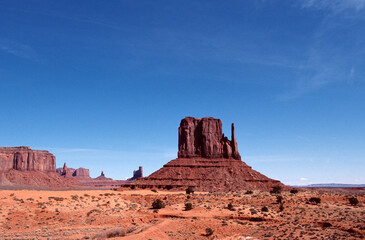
(206,160)
(128,215)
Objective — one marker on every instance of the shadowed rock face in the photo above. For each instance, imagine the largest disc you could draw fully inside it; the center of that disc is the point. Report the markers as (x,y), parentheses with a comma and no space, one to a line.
(203,137)
(26,159)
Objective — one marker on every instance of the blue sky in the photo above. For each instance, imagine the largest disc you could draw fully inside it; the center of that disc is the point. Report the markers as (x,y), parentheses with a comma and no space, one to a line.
(104,84)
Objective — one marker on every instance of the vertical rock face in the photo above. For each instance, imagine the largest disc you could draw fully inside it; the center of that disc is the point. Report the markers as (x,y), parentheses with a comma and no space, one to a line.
(81,173)
(26,159)
(137,174)
(203,137)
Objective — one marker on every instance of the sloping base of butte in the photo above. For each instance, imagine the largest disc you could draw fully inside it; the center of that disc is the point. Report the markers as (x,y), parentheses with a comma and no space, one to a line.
(207,175)
(208,161)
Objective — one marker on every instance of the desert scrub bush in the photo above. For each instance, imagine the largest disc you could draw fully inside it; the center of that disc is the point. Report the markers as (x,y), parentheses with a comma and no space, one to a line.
(249,192)
(230,206)
(276,189)
(209,232)
(279,199)
(294,191)
(92,211)
(75,197)
(189,190)
(315,200)
(188,206)
(154,190)
(59,199)
(281,208)
(353,201)
(264,209)
(112,233)
(158,204)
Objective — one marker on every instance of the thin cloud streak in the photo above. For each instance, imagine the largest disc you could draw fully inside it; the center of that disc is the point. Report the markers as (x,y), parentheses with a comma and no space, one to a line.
(336,6)
(18,49)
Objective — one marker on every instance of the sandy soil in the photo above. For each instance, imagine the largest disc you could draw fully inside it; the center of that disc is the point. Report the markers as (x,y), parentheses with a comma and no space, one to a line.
(100,214)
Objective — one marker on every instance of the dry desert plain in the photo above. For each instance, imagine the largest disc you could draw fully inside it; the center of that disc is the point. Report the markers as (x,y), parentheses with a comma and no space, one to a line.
(100,214)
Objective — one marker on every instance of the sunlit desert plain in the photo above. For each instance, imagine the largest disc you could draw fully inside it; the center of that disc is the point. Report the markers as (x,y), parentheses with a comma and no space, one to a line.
(128,214)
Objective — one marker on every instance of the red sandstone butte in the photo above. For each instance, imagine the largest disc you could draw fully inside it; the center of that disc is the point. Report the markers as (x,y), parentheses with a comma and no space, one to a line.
(26,159)
(207,160)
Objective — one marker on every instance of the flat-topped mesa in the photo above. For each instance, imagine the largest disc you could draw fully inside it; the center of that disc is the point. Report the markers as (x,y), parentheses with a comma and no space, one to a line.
(26,159)
(203,137)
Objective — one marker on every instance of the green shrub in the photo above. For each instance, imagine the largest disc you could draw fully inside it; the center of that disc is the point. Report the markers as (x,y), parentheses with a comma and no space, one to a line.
(158,204)
(190,190)
(315,200)
(230,206)
(264,209)
(188,206)
(294,191)
(249,192)
(353,201)
(208,231)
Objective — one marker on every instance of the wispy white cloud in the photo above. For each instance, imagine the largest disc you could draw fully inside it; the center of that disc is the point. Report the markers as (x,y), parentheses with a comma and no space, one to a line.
(332,56)
(335,5)
(18,49)
(303,179)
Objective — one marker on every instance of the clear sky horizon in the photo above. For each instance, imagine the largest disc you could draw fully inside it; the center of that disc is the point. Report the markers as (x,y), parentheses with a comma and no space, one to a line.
(104,84)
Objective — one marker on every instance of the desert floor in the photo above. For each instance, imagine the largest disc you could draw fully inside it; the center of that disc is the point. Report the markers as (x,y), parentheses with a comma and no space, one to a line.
(99,214)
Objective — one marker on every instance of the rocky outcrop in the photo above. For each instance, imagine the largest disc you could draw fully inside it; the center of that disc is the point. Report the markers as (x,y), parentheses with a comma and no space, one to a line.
(206,160)
(26,159)
(136,174)
(203,137)
(80,173)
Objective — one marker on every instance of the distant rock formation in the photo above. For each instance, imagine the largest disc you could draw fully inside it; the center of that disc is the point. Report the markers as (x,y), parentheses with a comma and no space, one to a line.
(203,137)
(207,160)
(22,167)
(136,174)
(79,173)
(26,159)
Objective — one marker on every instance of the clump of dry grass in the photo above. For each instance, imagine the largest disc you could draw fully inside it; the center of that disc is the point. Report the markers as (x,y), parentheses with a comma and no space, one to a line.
(112,233)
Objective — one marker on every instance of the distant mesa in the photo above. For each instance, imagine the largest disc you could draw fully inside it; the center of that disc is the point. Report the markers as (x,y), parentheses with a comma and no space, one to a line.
(207,160)
(83,175)
(22,167)
(26,159)
(79,173)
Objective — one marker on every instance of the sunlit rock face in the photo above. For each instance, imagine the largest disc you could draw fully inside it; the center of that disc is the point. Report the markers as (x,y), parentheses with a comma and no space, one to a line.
(203,137)
(26,159)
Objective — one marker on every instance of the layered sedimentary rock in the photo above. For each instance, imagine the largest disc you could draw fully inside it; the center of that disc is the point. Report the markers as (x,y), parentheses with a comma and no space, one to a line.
(79,173)
(203,137)
(206,160)
(26,159)
(137,174)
